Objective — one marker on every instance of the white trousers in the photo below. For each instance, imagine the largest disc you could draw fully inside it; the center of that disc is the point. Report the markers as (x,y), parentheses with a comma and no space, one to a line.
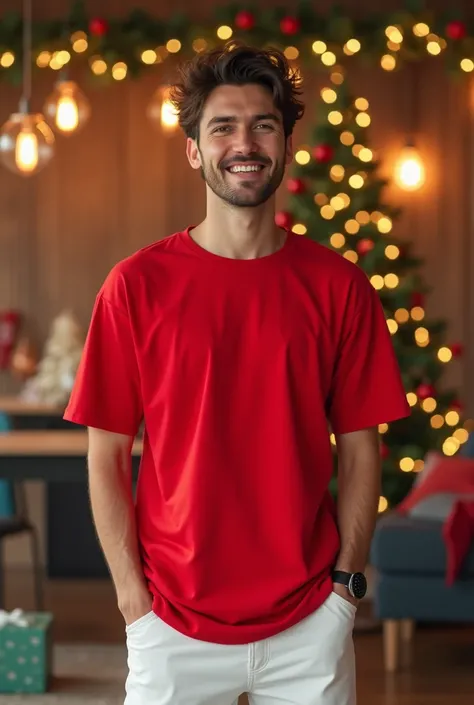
(311,663)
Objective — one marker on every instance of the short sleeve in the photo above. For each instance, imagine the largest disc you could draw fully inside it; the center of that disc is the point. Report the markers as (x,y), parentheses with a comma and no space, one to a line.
(367,387)
(107,391)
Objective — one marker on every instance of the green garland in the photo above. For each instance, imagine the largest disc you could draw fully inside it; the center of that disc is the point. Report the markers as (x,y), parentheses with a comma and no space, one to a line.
(122,41)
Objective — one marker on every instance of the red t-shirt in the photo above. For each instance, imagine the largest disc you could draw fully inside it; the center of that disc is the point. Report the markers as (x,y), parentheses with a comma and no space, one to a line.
(236,367)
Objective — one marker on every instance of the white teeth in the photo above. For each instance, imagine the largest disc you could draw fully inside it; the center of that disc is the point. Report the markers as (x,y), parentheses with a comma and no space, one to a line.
(236,169)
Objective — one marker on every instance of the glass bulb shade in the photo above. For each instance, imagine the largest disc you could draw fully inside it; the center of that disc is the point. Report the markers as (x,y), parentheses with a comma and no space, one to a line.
(67,107)
(26,143)
(409,170)
(161,112)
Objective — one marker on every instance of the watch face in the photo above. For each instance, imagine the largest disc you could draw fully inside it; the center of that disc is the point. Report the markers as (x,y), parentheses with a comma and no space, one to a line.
(358,585)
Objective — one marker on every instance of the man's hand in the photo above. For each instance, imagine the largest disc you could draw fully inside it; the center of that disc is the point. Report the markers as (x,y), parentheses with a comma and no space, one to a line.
(135,605)
(343,592)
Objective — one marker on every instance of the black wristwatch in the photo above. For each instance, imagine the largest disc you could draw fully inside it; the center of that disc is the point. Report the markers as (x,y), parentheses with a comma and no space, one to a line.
(356,583)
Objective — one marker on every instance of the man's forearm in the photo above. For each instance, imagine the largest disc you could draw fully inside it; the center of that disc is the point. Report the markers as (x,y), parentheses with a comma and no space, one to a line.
(111,498)
(357,504)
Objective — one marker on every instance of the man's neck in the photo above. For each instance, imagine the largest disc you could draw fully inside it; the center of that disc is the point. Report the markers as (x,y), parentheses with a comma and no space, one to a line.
(240,233)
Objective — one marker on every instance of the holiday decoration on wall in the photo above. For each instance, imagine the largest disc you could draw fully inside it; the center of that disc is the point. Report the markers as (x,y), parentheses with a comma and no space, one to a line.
(336,197)
(24,360)
(56,372)
(9,325)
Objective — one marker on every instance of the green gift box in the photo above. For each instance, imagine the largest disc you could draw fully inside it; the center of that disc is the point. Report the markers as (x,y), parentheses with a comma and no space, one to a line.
(26,649)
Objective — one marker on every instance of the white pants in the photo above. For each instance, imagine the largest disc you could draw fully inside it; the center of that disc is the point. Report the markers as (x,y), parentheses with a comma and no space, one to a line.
(311,663)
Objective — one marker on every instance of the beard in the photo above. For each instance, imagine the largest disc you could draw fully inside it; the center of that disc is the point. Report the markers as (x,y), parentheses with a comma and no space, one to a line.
(247,194)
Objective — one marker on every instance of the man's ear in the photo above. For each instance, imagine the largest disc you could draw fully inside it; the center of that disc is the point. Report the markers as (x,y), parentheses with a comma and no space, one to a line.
(192,153)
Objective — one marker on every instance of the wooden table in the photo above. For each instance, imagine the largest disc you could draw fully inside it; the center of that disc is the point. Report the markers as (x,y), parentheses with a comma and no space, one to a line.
(52,456)
(16,406)
(58,458)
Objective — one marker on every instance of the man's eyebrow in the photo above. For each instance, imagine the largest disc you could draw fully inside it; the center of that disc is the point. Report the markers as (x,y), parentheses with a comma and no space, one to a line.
(226,119)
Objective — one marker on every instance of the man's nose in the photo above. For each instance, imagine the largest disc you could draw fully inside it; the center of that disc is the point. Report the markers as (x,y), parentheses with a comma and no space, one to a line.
(244,140)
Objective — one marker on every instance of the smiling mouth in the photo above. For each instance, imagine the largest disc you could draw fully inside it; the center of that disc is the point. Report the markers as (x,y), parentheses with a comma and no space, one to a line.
(245,168)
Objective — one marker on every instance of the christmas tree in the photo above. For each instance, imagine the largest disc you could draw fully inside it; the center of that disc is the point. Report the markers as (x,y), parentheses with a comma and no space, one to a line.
(336,198)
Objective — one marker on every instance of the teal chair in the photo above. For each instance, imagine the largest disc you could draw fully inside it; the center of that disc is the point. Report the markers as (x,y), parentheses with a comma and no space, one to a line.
(14,521)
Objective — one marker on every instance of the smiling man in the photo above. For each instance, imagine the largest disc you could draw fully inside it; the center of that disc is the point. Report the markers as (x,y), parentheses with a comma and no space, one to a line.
(240,346)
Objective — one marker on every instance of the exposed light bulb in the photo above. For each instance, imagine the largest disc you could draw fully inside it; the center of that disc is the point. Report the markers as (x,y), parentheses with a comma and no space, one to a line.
(67,107)
(67,114)
(26,143)
(26,150)
(409,169)
(162,112)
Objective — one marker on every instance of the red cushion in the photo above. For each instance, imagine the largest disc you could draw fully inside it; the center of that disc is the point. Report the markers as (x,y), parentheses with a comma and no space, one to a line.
(453,475)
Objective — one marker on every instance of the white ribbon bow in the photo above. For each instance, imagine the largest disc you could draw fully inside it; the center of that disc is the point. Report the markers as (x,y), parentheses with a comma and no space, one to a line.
(15,617)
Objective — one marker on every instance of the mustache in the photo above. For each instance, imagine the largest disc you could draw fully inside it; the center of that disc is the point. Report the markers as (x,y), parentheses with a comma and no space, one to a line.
(243,160)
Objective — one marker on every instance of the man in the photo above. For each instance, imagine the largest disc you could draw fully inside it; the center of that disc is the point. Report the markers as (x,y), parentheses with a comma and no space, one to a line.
(239,345)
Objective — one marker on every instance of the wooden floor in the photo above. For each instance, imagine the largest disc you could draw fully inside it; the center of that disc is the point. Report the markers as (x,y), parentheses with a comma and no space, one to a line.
(441,671)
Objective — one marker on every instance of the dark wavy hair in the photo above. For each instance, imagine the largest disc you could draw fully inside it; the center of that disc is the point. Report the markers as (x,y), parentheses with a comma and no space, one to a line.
(235,64)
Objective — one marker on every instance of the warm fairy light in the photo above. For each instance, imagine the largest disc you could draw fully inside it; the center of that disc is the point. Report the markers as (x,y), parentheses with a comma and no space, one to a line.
(377,281)
(299,229)
(7,59)
(302,157)
(347,138)
(356,181)
(451,446)
(335,117)
(321,199)
(352,256)
(173,46)
(392,252)
(422,336)
(119,70)
(352,46)
(392,326)
(148,56)
(366,155)
(419,465)
(417,313)
(332,438)
(43,59)
(329,95)
(384,225)
(98,66)
(363,217)
(445,354)
(199,45)
(328,58)
(461,435)
(319,47)
(402,315)
(394,34)
(433,48)
(337,77)
(452,418)
(345,199)
(383,428)
(337,172)
(291,53)
(437,421)
(351,226)
(383,504)
(327,212)
(361,103)
(407,464)
(362,119)
(412,399)
(338,203)
(337,240)
(391,281)
(421,29)
(224,32)
(388,62)
(467,65)
(429,405)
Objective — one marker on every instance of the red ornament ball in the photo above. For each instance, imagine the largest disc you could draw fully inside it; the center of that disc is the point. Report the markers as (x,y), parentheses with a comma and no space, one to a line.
(244,20)
(417,299)
(384,450)
(290,25)
(425,390)
(364,246)
(456,349)
(98,27)
(295,186)
(323,153)
(284,220)
(456,30)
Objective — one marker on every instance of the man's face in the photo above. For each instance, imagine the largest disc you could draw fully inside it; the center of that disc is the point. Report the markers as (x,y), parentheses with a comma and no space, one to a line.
(241,151)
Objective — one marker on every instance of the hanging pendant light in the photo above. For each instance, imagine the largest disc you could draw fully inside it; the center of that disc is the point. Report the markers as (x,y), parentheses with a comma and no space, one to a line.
(67,107)
(161,111)
(26,140)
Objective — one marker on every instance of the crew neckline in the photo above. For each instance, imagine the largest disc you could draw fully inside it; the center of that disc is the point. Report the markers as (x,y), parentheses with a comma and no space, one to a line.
(232,261)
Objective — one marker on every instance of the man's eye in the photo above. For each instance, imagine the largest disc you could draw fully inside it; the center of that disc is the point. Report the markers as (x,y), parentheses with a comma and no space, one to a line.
(265,126)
